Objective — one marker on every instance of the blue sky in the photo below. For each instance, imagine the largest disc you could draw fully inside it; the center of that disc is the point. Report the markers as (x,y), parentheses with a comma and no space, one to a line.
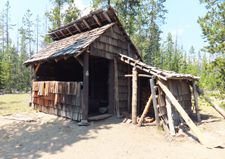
(181,18)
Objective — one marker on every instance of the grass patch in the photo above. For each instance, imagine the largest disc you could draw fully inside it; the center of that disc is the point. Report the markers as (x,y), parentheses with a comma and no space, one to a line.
(14,103)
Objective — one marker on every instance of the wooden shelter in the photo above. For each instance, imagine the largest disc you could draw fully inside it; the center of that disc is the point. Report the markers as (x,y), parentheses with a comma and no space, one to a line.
(87,70)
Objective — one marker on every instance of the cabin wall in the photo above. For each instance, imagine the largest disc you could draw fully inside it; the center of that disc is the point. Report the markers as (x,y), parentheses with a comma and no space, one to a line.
(58,98)
(123,85)
(112,41)
(181,91)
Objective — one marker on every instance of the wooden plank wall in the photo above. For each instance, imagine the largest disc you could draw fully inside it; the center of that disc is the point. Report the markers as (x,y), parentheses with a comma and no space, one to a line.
(58,98)
(181,91)
(122,84)
(112,41)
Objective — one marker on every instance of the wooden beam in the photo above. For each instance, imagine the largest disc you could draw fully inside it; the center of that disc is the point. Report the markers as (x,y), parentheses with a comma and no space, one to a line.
(134,95)
(80,60)
(77,27)
(213,104)
(85,22)
(170,118)
(68,56)
(111,87)
(145,110)
(56,35)
(79,52)
(85,88)
(139,75)
(61,57)
(196,102)
(96,19)
(62,33)
(184,115)
(106,16)
(37,67)
(152,85)
(129,91)
(216,107)
(117,107)
(69,31)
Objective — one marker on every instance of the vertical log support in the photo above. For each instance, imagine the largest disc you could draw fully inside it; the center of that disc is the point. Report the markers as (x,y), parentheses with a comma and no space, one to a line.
(196,102)
(134,95)
(170,118)
(152,85)
(85,89)
(33,75)
(111,87)
(129,90)
(117,110)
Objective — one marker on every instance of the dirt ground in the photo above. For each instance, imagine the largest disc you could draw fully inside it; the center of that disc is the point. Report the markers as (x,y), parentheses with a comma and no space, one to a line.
(58,138)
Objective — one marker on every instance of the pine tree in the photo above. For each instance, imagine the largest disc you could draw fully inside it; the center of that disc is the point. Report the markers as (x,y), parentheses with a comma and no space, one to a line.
(213,26)
(28,26)
(8,68)
(23,73)
(59,15)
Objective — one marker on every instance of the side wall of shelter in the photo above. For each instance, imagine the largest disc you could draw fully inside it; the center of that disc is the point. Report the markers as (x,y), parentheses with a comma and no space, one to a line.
(181,91)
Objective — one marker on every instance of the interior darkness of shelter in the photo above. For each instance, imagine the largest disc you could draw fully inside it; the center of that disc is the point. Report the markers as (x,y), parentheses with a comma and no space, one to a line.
(71,70)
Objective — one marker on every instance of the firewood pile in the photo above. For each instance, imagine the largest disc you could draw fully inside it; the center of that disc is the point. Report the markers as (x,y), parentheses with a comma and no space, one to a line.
(58,98)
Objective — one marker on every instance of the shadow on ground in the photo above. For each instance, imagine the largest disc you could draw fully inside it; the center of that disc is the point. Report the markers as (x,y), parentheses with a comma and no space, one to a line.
(28,140)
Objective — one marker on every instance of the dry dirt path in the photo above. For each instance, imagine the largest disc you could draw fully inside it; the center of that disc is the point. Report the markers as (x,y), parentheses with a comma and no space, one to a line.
(56,138)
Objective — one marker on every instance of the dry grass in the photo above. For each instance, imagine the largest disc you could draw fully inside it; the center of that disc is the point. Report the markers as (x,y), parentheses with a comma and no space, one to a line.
(14,103)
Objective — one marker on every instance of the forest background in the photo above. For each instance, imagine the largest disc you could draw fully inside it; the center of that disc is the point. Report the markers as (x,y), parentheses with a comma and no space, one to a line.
(142,20)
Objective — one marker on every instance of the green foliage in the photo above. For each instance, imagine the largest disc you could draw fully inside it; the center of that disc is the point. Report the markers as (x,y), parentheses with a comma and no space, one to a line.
(213,26)
(8,68)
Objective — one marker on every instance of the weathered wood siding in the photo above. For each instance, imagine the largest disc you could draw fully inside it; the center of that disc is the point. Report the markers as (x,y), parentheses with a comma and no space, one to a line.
(122,85)
(58,98)
(181,91)
(112,41)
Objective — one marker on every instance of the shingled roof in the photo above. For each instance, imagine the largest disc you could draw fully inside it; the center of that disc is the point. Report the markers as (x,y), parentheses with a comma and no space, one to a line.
(74,37)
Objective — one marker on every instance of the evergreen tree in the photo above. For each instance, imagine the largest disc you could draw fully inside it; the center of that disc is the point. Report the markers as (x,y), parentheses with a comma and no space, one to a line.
(213,26)
(23,73)
(28,27)
(59,15)
(8,68)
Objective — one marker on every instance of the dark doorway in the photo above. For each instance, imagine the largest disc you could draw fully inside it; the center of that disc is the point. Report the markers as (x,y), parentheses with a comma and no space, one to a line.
(98,86)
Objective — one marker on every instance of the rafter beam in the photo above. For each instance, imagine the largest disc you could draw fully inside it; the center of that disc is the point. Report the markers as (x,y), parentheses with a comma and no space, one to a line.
(62,33)
(56,35)
(77,27)
(107,17)
(69,31)
(97,20)
(37,67)
(85,22)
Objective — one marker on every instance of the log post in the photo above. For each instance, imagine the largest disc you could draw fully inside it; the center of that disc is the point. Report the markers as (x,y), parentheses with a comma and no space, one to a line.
(111,87)
(152,85)
(129,89)
(85,89)
(117,110)
(196,102)
(134,95)
(184,115)
(170,118)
